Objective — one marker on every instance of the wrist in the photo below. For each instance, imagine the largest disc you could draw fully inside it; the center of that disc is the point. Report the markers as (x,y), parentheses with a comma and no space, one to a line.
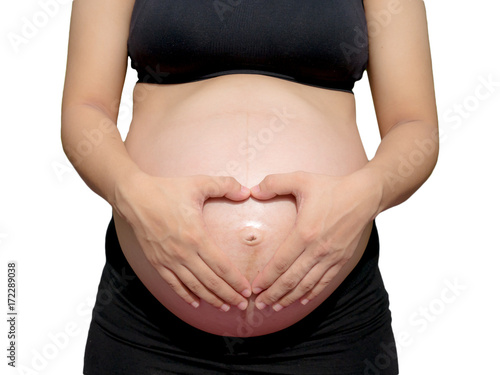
(126,181)
(370,182)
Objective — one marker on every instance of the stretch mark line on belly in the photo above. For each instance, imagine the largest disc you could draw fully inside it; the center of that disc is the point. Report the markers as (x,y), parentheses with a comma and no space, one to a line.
(247,161)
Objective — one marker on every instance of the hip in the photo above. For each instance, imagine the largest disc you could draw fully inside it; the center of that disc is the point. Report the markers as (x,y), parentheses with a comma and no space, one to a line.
(346,332)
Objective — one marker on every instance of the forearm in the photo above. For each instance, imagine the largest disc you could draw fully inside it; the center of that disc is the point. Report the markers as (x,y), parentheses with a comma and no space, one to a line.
(403,162)
(94,146)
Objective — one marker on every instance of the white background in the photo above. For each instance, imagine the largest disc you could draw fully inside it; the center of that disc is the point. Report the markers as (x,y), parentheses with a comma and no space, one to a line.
(53,226)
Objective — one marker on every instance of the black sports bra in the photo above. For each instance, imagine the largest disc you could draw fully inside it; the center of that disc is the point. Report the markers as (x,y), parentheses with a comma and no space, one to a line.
(316,42)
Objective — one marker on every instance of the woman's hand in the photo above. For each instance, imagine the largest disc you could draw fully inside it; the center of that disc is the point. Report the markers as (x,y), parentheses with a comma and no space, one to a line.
(332,214)
(166,217)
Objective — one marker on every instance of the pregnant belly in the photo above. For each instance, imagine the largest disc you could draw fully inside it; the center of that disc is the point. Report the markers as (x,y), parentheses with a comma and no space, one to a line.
(247,145)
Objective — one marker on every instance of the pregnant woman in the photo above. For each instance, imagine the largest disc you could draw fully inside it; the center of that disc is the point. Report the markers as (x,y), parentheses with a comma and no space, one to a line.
(242,238)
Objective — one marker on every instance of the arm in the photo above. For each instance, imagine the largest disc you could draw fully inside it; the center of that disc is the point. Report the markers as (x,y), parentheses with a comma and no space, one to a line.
(402,86)
(97,62)
(165,213)
(327,231)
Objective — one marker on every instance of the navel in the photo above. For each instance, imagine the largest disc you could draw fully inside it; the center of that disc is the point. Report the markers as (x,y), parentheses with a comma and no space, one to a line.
(251,234)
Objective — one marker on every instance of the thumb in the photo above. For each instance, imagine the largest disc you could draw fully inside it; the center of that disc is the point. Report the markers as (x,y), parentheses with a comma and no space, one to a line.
(278,184)
(222,186)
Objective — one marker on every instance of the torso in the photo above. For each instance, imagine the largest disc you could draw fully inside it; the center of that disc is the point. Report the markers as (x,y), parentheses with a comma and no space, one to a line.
(246,126)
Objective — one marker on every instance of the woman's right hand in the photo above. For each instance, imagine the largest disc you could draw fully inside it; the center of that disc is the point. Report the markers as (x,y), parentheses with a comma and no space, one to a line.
(166,217)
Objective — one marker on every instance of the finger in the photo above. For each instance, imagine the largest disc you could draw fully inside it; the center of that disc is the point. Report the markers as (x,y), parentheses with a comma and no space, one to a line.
(279,184)
(214,285)
(230,285)
(278,290)
(285,256)
(201,278)
(289,281)
(178,287)
(309,287)
(211,266)
(222,186)
(324,282)
(200,289)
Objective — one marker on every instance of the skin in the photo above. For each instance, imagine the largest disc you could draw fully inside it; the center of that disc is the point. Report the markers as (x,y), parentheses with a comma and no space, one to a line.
(401,82)
(168,219)
(284,132)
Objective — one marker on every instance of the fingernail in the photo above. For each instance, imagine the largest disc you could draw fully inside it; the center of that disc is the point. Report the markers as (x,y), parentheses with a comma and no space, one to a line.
(243,305)
(225,308)
(255,189)
(277,307)
(257,290)
(305,301)
(246,293)
(244,189)
(260,305)
(195,304)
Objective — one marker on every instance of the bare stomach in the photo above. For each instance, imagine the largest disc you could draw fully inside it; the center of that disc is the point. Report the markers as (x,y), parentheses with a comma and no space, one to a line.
(245,126)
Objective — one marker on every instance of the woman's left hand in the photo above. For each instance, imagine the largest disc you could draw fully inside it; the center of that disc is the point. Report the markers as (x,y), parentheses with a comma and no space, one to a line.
(332,213)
